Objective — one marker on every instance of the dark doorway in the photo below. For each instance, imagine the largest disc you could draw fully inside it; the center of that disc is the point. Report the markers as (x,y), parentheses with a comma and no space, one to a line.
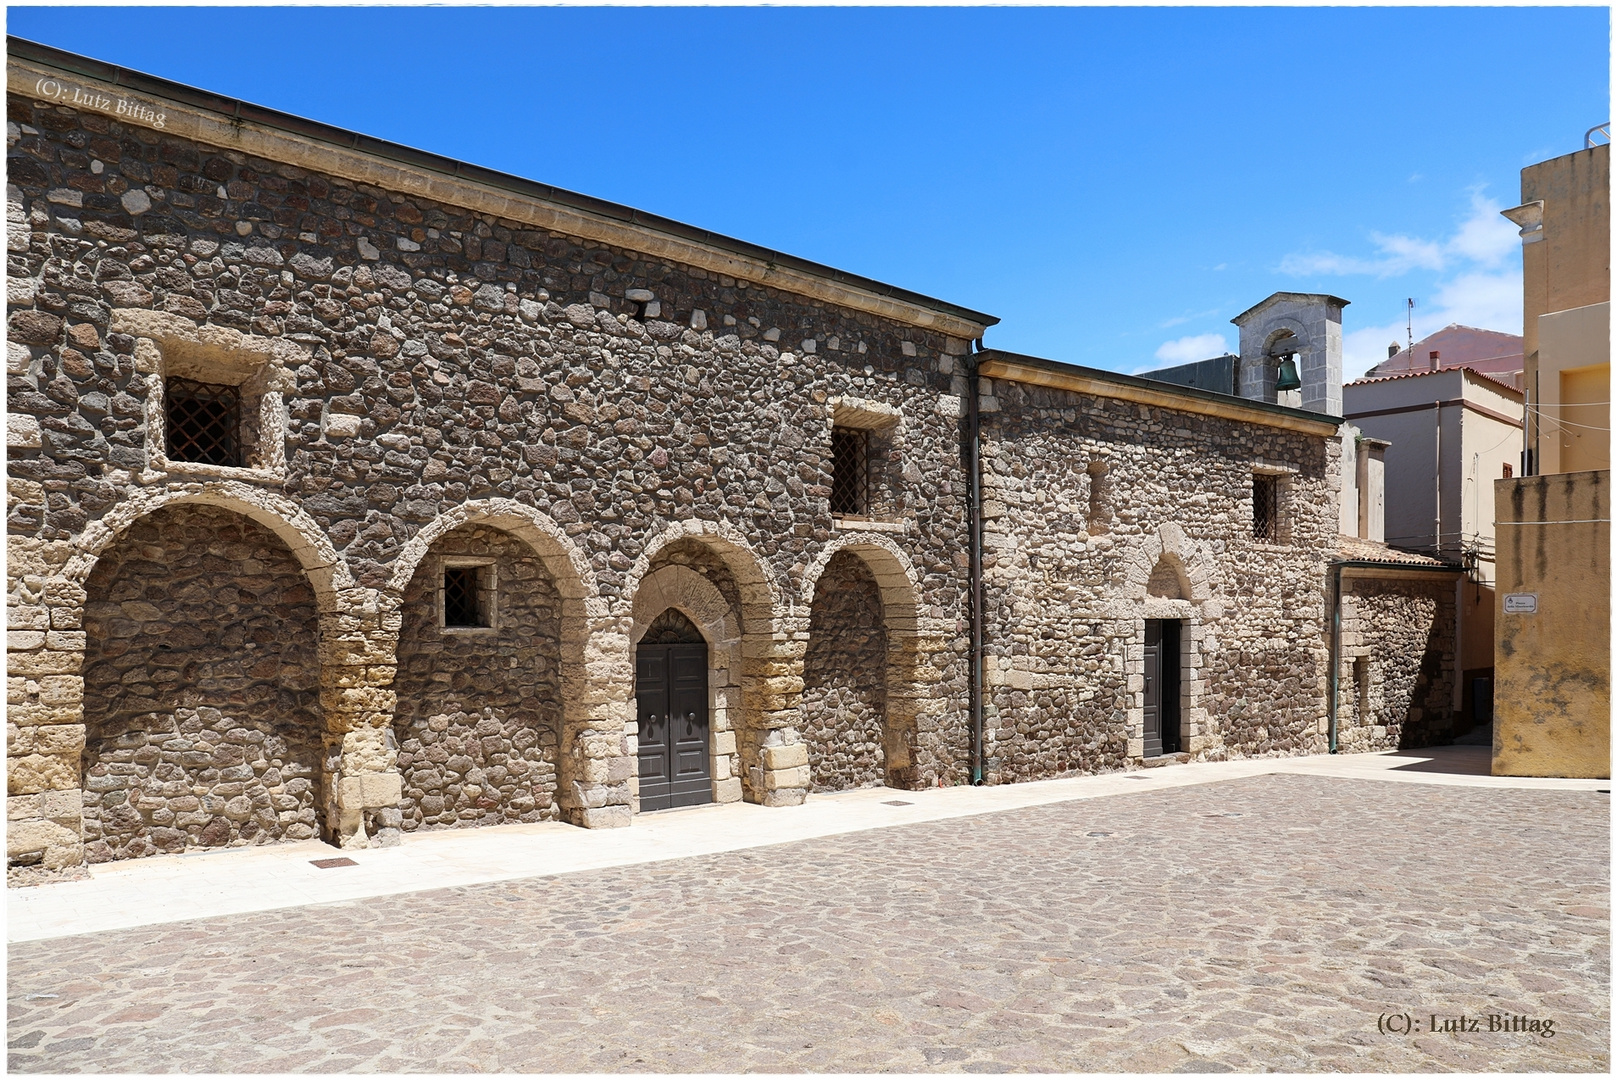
(671,704)
(1161,687)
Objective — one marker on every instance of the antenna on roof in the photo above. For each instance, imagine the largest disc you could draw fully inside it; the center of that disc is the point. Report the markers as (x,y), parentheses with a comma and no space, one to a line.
(1409,325)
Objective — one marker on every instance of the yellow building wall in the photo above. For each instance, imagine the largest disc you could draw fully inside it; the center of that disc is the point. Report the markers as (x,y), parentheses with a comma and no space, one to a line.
(1586,428)
(1552,668)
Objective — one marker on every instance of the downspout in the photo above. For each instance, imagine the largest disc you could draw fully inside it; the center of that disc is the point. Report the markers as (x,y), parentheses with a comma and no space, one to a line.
(973,469)
(1437,481)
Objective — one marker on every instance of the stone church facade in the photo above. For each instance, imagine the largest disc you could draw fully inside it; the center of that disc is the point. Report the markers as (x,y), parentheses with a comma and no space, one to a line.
(354,492)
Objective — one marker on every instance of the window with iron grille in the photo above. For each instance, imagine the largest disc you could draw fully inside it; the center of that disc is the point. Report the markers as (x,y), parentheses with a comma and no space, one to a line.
(850,471)
(203,422)
(1266,508)
(463,596)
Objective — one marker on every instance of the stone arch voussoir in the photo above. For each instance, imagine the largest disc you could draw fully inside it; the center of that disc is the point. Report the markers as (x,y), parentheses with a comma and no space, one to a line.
(911,701)
(772,759)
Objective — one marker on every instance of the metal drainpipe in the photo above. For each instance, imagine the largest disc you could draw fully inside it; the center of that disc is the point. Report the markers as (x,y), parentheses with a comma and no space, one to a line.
(973,465)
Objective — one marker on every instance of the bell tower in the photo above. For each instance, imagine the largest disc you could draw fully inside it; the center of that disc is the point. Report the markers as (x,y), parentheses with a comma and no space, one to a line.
(1306,327)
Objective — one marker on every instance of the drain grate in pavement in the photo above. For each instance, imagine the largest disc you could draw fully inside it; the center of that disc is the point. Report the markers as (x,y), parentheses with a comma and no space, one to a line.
(327,864)
(1097,834)
(1136,778)
(897,802)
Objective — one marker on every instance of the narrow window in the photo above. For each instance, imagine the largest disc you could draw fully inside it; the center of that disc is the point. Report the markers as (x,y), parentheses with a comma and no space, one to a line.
(463,604)
(203,422)
(850,471)
(1100,498)
(1266,508)
(1509,472)
(1361,686)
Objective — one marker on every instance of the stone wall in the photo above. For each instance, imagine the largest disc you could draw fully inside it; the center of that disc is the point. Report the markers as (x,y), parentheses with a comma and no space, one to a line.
(479,716)
(845,679)
(201,689)
(1396,686)
(422,359)
(417,367)
(1068,570)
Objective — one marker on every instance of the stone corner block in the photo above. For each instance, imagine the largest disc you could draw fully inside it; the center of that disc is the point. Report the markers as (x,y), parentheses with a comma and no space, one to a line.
(785,757)
(602,817)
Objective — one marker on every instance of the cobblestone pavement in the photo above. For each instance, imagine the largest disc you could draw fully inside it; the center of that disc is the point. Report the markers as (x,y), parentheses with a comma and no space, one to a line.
(1264,923)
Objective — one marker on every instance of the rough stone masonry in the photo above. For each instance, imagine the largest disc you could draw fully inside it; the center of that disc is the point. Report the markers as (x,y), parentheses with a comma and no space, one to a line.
(435,369)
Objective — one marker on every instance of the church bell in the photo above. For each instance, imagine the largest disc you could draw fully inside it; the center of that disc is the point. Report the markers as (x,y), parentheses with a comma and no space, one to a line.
(1288,379)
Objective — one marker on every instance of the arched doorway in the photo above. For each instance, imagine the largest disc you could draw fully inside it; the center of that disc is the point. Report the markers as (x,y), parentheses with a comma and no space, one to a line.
(671,706)
(202,713)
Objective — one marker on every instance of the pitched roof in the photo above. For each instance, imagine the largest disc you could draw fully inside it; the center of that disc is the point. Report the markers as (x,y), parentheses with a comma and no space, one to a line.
(1361,550)
(1490,351)
(1496,379)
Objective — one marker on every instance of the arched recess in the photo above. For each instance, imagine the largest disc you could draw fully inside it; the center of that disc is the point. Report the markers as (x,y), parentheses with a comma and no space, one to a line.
(203,717)
(478,725)
(699,600)
(1168,576)
(772,762)
(592,782)
(908,701)
(308,543)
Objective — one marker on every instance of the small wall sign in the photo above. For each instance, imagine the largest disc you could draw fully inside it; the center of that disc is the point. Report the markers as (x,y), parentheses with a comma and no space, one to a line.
(1521,603)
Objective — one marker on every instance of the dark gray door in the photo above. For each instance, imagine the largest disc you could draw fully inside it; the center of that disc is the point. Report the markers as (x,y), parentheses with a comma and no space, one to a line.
(1161,687)
(671,703)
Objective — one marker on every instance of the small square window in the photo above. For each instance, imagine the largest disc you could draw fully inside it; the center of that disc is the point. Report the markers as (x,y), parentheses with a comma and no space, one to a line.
(850,471)
(463,597)
(203,422)
(1266,508)
(1509,472)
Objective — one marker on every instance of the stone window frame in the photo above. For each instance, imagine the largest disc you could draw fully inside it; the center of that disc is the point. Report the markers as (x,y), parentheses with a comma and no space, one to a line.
(171,346)
(488,593)
(1285,476)
(883,424)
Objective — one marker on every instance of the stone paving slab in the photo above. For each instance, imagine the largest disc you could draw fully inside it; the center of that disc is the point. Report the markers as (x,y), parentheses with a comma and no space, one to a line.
(226,881)
(1262,923)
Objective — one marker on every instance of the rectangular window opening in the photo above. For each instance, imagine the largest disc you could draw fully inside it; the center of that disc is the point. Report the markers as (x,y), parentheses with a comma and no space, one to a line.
(463,600)
(850,471)
(1266,508)
(203,422)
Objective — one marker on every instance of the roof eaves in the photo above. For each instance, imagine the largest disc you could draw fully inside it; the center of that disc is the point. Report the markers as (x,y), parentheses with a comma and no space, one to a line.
(428,161)
(1189,393)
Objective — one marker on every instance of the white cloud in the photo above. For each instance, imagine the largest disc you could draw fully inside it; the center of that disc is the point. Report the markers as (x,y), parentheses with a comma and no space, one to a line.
(1186,350)
(1485,236)
(1472,277)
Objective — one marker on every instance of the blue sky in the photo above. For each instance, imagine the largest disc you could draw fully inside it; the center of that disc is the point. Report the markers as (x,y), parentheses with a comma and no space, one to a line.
(1114,183)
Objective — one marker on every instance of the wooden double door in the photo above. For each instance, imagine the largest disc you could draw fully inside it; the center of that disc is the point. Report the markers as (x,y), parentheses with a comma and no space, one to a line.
(671,705)
(1162,686)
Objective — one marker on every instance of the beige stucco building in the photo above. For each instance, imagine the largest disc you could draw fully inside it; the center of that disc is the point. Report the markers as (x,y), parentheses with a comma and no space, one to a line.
(1451,434)
(1552,643)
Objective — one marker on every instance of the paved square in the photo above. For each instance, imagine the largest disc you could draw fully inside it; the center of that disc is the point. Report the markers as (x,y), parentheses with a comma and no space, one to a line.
(1260,923)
